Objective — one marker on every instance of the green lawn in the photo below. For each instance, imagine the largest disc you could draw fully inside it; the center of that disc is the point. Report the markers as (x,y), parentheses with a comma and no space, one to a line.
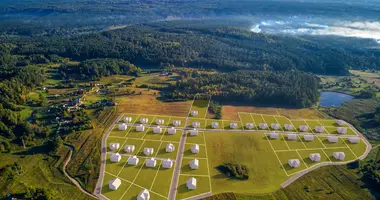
(182,119)
(187,151)
(163,154)
(150,144)
(278,144)
(135,190)
(118,133)
(146,176)
(163,180)
(312,124)
(305,156)
(245,118)
(203,186)
(358,149)
(110,140)
(285,156)
(173,138)
(165,118)
(298,123)
(132,141)
(227,125)
(210,121)
(151,119)
(201,121)
(111,194)
(202,170)
(199,139)
(294,144)
(312,144)
(271,120)
(115,167)
(135,134)
(201,106)
(133,116)
(258,119)
(154,136)
(347,152)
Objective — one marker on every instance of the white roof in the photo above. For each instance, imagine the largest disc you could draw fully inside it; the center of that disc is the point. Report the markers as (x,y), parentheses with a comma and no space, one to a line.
(342,130)
(169,147)
(304,128)
(340,122)
(172,130)
(319,129)
(144,195)
(308,137)
(332,139)
(176,122)
(354,139)
(133,160)
(116,157)
(157,129)
(151,162)
(114,146)
(127,119)
(292,136)
(294,163)
(160,121)
(194,132)
(148,151)
(194,164)
(196,124)
(129,148)
(275,126)
(273,135)
(315,157)
(249,125)
(114,184)
(339,155)
(263,126)
(123,126)
(167,163)
(144,120)
(233,125)
(288,127)
(191,183)
(195,148)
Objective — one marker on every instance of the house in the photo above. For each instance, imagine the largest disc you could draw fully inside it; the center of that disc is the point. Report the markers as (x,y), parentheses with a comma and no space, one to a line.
(160,121)
(340,122)
(354,140)
(116,157)
(157,130)
(144,195)
(263,126)
(171,131)
(169,148)
(319,129)
(144,120)
(304,128)
(151,162)
(342,130)
(133,160)
(275,126)
(194,164)
(308,137)
(129,148)
(332,139)
(233,125)
(148,151)
(249,125)
(114,184)
(114,146)
(194,132)
(214,125)
(292,137)
(127,119)
(167,163)
(195,149)
(339,155)
(315,157)
(123,127)
(196,124)
(273,135)
(288,127)
(194,113)
(191,183)
(176,122)
(140,128)
(294,163)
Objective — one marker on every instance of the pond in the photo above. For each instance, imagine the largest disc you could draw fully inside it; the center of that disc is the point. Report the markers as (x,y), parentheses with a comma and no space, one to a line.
(333,99)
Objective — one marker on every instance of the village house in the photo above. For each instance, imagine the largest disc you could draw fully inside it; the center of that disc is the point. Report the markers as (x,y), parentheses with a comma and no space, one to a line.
(191,183)
(160,121)
(308,137)
(195,149)
(140,128)
(249,125)
(332,139)
(214,125)
(292,137)
(339,155)
(151,162)
(319,129)
(342,130)
(354,140)
(194,132)
(194,113)
(123,127)
(116,157)
(114,184)
(273,135)
(304,128)
(294,163)
(144,195)
(263,126)
(157,130)
(114,146)
(315,157)
(171,131)
(148,151)
(288,127)
(144,120)
(134,160)
(196,124)
(176,122)
(127,119)
(169,148)
(129,148)
(275,126)
(194,164)
(167,164)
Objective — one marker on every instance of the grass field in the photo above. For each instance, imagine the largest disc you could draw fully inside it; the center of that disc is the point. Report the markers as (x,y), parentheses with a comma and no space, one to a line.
(201,106)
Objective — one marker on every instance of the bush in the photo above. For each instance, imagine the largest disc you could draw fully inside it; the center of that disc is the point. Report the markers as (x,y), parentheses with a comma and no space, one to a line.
(233,170)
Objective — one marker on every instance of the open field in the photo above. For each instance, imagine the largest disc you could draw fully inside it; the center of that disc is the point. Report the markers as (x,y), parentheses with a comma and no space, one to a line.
(201,106)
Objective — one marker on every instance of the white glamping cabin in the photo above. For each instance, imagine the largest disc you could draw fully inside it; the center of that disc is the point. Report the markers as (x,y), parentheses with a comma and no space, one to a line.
(354,140)
(129,148)
(319,129)
(144,120)
(127,119)
(304,128)
(339,155)
(315,157)
(214,125)
(148,151)
(167,163)
(249,125)
(233,125)
(160,121)
(123,127)
(157,130)
(191,183)
(134,160)
(332,139)
(144,195)
(151,162)
(114,184)
(140,128)
(340,122)
(176,122)
(195,149)
(194,132)
(308,137)
(275,126)
(116,157)
(114,146)
(194,113)
(288,127)
(263,126)
(342,130)
(292,137)
(169,148)
(171,131)
(194,164)
(294,163)
(196,124)
(273,135)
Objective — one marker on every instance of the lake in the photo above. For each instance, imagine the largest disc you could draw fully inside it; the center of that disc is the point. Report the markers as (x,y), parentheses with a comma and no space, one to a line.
(333,99)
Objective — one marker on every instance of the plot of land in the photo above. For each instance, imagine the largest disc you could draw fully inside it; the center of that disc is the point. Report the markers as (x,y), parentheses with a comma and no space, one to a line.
(201,106)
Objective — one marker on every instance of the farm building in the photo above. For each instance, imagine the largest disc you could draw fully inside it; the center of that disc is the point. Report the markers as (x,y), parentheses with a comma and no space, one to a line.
(151,162)
(316,157)
(167,163)
(339,155)
(171,131)
(214,125)
(169,148)
(191,184)
(194,164)
(148,151)
(127,119)
(114,184)
(263,126)
(157,130)
(308,137)
(194,113)
(196,124)
(195,149)
(294,163)
(233,125)
(340,122)
(288,127)
(354,140)
(140,128)
(160,121)
(116,157)
(342,130)
(129,148)
(144,195)
(292,137)
(123,127)
(304,128)
(194,132)
(273,135)
(133,160)
(144,120)
(275,126)
(319,129)
(114,146)
(249,125)
(176,122)
(332,139)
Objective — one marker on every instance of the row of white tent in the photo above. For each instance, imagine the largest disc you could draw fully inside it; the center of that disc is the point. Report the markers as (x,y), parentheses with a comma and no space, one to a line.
(315,157)
(149,151)
(331,139)
(146,120)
